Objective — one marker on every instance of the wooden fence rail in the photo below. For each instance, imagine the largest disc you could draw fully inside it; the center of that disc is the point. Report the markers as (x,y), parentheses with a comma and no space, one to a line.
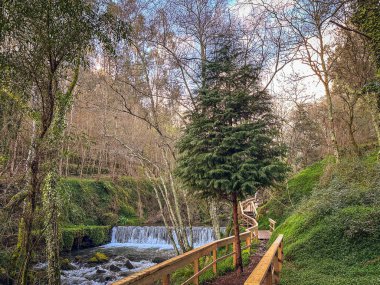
(163,270)
(272,225)
(267,272)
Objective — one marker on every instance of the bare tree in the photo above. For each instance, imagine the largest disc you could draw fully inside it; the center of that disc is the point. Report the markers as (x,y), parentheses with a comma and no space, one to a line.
(354,68)
(311,34)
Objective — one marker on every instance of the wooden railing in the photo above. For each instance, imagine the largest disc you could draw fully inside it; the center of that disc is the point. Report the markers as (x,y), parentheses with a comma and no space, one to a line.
(163,270)
(272,225)
(249,205)
(250,221)
(268,270)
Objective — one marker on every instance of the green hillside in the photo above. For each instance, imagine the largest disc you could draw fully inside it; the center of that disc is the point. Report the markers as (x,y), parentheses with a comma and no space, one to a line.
(89,208)
(330,218)
(103,202)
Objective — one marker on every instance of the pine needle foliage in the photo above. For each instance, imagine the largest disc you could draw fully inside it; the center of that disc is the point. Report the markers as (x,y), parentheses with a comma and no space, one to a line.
(230,145)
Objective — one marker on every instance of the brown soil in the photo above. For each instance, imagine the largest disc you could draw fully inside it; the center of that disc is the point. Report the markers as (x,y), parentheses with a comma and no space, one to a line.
(232,278)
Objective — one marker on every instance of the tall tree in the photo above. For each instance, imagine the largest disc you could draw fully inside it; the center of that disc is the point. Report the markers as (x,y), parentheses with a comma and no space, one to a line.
(43,44)
(366,18)
(310,34)
(229,149)
(354,69)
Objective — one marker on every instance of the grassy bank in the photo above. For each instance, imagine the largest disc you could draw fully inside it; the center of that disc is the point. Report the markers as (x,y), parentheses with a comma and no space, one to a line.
(299,187)
(331,223)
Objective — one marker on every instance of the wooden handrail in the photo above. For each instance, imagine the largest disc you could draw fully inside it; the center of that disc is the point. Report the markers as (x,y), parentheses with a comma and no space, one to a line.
(269,268)
(272,225)
(163,270)
(249,202)
(249,220)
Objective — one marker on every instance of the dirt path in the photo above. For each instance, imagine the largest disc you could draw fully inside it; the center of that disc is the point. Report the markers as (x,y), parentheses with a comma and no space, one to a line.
(232,278)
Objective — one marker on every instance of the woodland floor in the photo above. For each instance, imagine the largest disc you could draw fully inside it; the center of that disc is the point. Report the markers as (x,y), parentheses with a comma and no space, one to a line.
(232,278)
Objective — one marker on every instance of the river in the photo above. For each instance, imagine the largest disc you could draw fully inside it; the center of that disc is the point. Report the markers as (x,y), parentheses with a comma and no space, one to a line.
(130,246)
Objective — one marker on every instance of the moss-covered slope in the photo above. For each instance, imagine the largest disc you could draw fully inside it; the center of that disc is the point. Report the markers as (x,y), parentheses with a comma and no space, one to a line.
(103,202)
(89,208)
(332,231)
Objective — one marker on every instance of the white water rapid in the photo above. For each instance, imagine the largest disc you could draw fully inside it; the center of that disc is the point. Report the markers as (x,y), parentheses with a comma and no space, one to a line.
(155,236)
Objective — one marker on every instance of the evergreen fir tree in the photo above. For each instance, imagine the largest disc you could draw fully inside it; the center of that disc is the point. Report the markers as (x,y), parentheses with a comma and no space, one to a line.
(229,148)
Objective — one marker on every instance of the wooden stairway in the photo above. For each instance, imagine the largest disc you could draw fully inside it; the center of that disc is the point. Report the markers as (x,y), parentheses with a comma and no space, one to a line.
(248,215)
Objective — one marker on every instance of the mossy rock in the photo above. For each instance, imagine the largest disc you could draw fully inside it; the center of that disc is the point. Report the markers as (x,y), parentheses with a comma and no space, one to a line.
(84,236)
(4,278)
(98,258)
(66,265)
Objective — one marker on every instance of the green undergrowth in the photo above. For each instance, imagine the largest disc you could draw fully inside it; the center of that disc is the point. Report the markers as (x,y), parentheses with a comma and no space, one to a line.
(90,207)
(79,236)
(103,202)
(332,234)
(298,187)
(223,267)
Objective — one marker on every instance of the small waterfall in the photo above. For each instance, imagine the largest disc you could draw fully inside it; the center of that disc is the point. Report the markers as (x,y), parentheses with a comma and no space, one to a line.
(137,236)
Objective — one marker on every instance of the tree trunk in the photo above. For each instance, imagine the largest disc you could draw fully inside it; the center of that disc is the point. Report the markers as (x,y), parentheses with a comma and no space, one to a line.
(213,210)
(14,156)
(67,161)
(140,205)
(189,218)
(375,116)
(239,261)
(353,140)
(25,249)
(50,205)
(324,75)
(168,229)
(83,158)
(331,121)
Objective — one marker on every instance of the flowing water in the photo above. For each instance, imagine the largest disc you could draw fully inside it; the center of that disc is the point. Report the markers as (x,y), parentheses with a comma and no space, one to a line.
(148,237)
(141,247)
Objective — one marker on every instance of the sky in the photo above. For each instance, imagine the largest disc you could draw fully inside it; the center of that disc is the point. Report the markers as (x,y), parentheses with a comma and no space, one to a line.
(310,85)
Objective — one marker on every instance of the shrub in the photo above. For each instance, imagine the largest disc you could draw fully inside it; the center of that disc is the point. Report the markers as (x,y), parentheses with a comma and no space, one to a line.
(109,219)
(75,235)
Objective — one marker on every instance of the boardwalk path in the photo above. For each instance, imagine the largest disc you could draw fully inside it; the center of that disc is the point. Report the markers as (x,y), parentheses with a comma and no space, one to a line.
(232,278)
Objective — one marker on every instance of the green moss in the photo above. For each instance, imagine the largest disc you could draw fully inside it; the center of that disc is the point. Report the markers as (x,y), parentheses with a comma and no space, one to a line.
(74,236)
(299,186)
(66,265)
(103,202)
(98,258)
(332,235)
(126,221)
(68,237)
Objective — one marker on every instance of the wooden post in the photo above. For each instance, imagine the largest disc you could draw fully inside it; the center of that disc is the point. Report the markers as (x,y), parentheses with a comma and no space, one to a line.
(268,279)
(248,243)
(272,225)
(235,253)
(276,269)
(280,256)
(165,279)
(257,233)
(196,270)
(214,257)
